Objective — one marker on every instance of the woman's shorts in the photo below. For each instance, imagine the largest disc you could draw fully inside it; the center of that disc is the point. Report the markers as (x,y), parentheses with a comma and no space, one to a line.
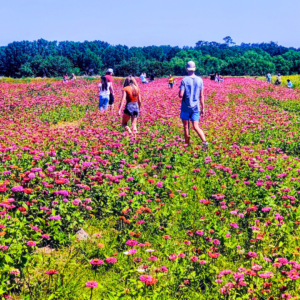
(170,85)
(132,109)
(111,99)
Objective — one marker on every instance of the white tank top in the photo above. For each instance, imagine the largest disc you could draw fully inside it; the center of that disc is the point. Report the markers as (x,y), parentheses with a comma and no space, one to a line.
(102,92)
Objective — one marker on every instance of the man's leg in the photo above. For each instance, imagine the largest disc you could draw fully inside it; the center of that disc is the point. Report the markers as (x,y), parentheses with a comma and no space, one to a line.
(198,130)
(186,131)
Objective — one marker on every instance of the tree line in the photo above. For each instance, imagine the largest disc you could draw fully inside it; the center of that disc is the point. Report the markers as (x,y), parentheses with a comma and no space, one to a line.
(54,59)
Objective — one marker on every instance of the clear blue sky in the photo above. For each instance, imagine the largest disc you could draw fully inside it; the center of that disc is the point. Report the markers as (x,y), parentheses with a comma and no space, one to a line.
(151,22)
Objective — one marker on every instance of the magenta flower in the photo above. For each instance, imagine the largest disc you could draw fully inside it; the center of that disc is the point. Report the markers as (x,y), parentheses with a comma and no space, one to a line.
(91,284)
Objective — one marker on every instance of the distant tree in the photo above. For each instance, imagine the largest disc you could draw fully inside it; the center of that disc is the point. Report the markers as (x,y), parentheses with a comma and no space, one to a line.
(282,66)
(55,66)
(229,41)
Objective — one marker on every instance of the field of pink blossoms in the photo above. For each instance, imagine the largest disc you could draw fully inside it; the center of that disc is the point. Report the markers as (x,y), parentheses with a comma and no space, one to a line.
(159,220)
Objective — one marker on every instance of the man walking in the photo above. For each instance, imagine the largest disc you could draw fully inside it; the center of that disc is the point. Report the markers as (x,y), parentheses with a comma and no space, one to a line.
(109,78)
(191,92)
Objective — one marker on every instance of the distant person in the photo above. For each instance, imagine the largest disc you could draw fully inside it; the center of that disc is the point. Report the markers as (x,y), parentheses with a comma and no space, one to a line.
(289,84)
(143,78)
(217,79)
(73,77)
(191,92)
(278,79)
(105,89)
(269,78)
(152,77)
(109,78)
(130,95)
(212,76)
(66,78)
(171,81)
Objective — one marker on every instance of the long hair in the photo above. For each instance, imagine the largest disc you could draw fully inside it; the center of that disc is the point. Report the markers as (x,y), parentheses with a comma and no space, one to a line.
(130,81)
(104,85)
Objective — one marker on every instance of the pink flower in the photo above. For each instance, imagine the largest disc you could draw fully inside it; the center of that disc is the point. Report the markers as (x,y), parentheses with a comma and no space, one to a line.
(256,267)
(31,243)
(159,184)
(132,243)
(131,251)
(111,260)
(91,284)
(51,272)
(172,257)
(293,274)
(199,232)
(76,202)
(46,236)
(96,262)
(194,258)
(266,275)
(202,262)
(163,269)
(152,258)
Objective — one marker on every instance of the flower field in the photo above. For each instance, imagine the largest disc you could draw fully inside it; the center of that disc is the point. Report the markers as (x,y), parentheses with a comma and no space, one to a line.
(159,220)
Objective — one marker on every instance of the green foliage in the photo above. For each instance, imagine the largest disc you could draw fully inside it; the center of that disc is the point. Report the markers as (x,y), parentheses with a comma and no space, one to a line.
(43,58)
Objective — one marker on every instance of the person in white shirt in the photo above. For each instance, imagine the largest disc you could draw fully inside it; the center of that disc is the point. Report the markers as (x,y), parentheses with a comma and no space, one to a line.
(104,91)
(143,78)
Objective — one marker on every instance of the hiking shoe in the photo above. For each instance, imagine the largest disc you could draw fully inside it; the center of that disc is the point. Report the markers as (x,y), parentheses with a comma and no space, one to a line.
(205,146)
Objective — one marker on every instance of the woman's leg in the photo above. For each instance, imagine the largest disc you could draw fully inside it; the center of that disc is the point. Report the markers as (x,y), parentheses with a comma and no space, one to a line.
(105,104)
(101,101)
(133,125)
(125,120)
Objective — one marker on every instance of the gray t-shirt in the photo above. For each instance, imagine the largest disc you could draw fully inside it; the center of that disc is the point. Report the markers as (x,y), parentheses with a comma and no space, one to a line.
(192,87)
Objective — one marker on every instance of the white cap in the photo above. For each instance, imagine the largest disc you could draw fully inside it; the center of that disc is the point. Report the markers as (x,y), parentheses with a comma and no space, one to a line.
(191,66)
(110,70)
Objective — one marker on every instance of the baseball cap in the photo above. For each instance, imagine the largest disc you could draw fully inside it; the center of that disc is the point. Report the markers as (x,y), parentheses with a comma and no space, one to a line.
(191,66)
(110,70)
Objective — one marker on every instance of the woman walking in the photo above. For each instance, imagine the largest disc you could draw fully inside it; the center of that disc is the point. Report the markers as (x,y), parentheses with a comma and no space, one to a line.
(104,92)
(130,95)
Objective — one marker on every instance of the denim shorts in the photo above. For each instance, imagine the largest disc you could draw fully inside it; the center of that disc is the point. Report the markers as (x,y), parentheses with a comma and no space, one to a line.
(190,116)
(103,102)
(132,109)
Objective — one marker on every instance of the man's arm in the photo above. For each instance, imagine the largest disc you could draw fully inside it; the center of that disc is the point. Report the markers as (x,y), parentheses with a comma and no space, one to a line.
(202,102)
(112,88)
(181,90)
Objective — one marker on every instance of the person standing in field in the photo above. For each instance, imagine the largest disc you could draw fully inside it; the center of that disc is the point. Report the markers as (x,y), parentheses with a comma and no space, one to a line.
(269,77)
(191,93)
(109,78)
(278,79)
(171,81)
(130,95)
(143,78)
(152,77)
(289,84)
(105,90)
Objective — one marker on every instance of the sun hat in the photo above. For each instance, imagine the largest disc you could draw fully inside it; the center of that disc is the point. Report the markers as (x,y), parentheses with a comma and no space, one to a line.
(110,70)
(191,66)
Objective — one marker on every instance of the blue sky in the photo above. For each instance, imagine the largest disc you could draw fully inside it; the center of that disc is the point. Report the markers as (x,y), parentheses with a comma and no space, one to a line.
(152,22)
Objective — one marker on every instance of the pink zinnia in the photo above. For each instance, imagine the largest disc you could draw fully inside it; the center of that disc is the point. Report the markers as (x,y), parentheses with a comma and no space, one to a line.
(91,284)
(31,243)
(131,243)
(51,272)
(194,258)
(96,261)
(111,260)
(152,258)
